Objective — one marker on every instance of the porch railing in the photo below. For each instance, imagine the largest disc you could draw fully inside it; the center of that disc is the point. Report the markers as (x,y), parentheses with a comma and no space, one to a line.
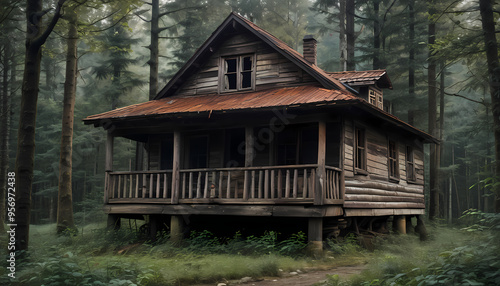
(273,184)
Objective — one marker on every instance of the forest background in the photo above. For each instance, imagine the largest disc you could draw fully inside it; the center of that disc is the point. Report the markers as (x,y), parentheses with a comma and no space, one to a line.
(433,51)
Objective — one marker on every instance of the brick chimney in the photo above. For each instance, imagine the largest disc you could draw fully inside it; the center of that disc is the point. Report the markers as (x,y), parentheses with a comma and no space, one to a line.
(309,48)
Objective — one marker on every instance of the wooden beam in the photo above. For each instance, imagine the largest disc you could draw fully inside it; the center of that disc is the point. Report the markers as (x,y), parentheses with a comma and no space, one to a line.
(319,191)
(315,236)
(176,167)
(176,229)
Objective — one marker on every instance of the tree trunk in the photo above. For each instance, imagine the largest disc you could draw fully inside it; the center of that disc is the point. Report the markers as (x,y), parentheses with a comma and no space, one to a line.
(350,35)
(342,35)
(411,63)
(376,35)
(65,197)
(153,60)
(491,47)
(432,109)
(4,131)
(27,116)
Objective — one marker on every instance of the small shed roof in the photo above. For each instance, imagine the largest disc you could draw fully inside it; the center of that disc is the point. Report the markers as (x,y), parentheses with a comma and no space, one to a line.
(379,77)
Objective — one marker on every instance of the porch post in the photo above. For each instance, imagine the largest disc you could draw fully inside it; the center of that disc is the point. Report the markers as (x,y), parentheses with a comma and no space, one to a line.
(249,155)
(108,165)
(315,236)
(319,192)
(176,167)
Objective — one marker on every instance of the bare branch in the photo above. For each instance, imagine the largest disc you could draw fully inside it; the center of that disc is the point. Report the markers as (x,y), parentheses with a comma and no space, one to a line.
(178,10)
(465,97)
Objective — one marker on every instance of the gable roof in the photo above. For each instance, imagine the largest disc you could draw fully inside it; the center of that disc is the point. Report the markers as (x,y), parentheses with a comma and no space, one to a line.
(353,78)
(231,23)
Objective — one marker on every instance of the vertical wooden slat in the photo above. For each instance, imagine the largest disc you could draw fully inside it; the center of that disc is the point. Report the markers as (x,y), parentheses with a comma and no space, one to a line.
(320,188)
(183,190)
(131,186)
(205,191)
(236,189)
(228,190)
(119,185)
(279,184)
(312,191)
(266,184)
(341,186)
(144,182)
(190,185)
(252,185)
(158,177)
(214,183)
(151,186)
(287,183)
(245,186)
(221,173)
(198,186)
(306,182)
(261,175)
(295,182)
(136,186)
(165,191)
(272,184)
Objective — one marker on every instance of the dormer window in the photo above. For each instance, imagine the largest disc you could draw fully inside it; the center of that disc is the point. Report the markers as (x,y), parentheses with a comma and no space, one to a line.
(237,73)
(375,97)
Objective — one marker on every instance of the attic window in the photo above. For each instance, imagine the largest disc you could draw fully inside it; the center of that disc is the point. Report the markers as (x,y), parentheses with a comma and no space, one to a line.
(238,73)
(376,98)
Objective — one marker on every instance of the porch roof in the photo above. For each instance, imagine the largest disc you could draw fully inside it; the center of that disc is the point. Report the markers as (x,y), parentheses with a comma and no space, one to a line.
(379,77)
(177,105)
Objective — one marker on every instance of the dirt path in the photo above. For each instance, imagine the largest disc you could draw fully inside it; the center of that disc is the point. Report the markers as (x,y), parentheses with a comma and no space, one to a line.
(299,278)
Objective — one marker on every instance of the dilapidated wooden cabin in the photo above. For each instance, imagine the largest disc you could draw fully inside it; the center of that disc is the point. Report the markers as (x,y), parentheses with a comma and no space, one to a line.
(251,128)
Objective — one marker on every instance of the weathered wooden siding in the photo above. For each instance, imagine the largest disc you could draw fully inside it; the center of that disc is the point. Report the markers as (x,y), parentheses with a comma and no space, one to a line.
(375,190)
(271,68)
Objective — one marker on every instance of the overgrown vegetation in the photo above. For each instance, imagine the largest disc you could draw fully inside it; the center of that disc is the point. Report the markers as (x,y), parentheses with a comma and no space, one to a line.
(466,256)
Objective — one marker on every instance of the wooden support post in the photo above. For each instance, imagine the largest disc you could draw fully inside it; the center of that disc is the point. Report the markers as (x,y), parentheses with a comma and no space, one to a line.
(319,191)
(315,236)
(114,222)
(249,155)
(108,164)
(420,229)
(176,167)
(154,224)
(409,226)
(399,224)
(176,229)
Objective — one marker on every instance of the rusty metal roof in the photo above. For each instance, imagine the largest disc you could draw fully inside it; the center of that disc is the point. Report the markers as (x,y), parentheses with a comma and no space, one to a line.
(176,105)
(352,77)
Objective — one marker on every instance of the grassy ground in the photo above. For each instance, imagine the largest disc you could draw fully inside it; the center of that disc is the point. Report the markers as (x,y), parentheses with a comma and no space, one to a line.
(97,257)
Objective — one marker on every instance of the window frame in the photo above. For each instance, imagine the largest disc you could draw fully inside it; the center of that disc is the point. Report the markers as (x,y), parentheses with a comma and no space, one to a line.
(393,170)
(239,73)
(411,175)
(360,164)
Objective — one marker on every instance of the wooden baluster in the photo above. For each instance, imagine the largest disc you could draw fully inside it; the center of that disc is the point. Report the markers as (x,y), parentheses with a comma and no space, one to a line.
(131,186)
(261,173)
(205,191)
(158,185)
(221,174)
(165,191)
(214,181)
(245,186)
(272,183)
(183,191)
(190,185)
(313,182)
(236,189)
(151,189)
(144,182)
(252,186)
(287,184)
(304,187)
(228,190)
(198,186)
(295,182)
(136,186)
(119,185)
(266,184)
(279,185)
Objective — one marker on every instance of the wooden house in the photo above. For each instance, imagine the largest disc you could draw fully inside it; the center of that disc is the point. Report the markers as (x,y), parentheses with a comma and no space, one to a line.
(251,128)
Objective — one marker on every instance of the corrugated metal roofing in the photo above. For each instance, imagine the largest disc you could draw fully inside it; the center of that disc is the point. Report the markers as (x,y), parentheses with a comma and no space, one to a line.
(288,96)
(361,76)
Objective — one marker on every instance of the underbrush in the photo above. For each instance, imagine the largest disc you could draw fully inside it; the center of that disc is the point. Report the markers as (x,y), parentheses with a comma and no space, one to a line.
(125,257)
(452,256)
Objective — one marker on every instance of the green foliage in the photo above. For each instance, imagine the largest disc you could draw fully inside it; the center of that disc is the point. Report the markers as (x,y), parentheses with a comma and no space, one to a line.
(347,245)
